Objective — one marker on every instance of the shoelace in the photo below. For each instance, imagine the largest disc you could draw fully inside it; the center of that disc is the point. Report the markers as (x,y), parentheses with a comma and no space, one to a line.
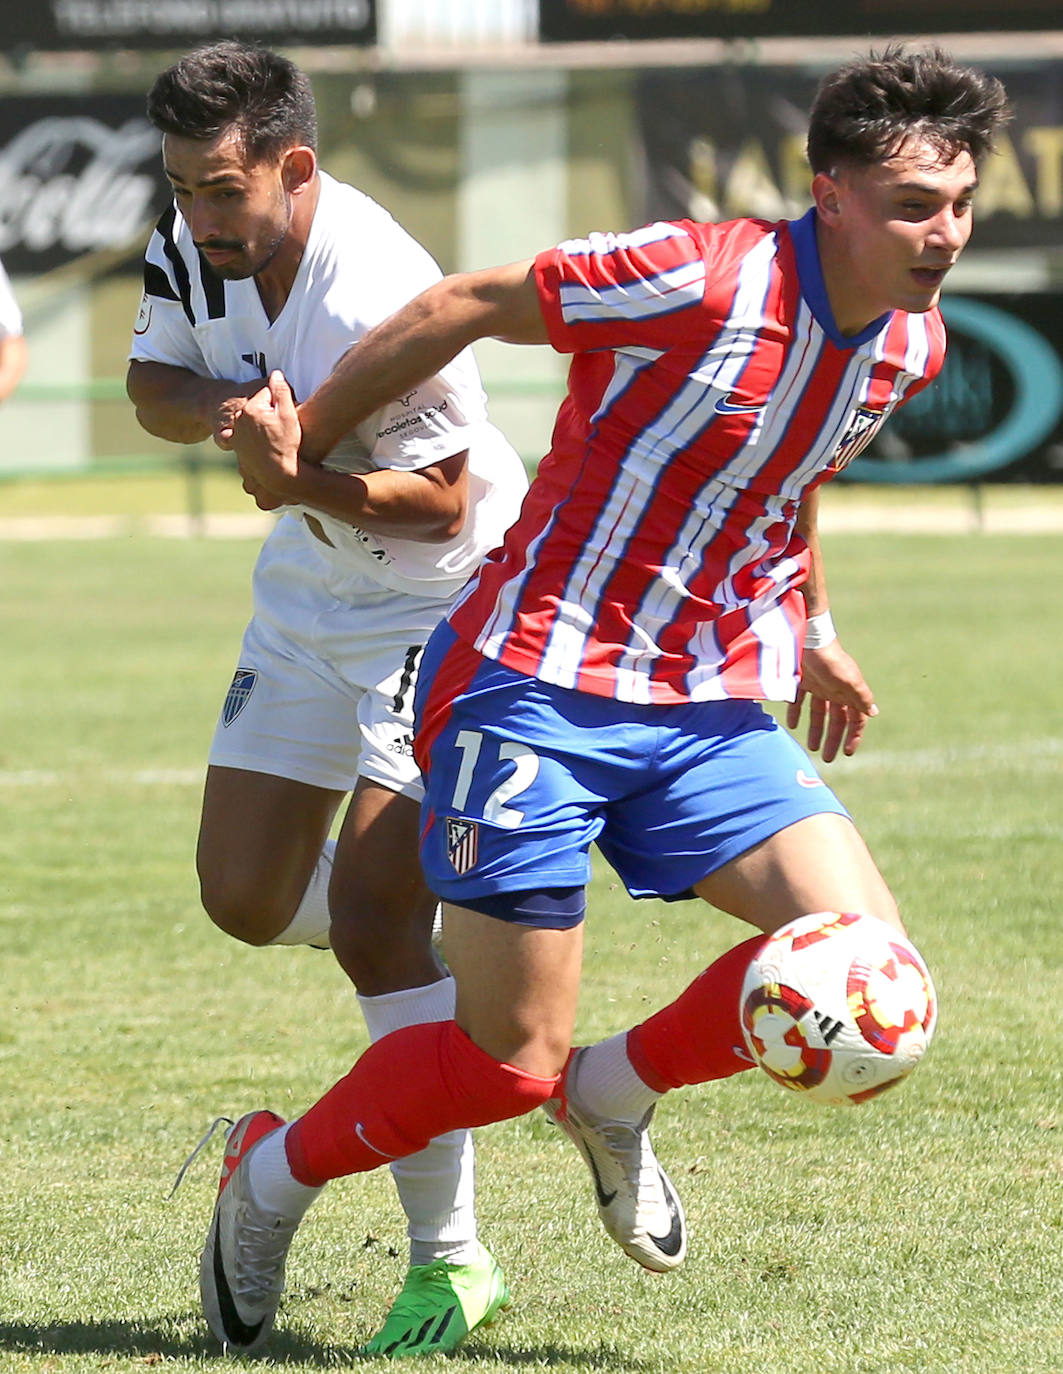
(625,1141)
(260,1263)
(218,1121)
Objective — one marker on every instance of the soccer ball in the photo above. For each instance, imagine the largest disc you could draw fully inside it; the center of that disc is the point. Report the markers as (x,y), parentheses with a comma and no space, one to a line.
(838,1007)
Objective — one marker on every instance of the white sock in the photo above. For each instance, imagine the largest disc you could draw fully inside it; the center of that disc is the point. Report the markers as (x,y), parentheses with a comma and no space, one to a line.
(603,1082)
(436,1186)
(272,1184)
(311,922)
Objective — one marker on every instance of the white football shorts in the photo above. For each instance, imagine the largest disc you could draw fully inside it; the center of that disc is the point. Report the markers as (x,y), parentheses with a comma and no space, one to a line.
(323,691)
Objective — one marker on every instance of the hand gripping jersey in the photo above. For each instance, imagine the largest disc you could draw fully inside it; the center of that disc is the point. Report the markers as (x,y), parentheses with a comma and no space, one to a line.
(656,558)
(359,266)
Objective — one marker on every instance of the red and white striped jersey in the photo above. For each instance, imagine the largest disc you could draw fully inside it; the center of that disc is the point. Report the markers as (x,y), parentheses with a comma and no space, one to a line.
(655,559)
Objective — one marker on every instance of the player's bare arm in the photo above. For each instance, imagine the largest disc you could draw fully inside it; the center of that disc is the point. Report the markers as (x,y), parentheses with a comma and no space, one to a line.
(427,505)
(840,702)
(13,358)
(176,404)
(416,342)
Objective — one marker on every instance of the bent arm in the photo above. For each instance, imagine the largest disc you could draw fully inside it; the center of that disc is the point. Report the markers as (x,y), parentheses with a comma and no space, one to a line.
(176,404)
(428,505)
(416,342)
(13,356)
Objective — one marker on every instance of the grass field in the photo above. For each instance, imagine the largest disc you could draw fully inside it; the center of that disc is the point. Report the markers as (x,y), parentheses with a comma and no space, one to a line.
(921,1234)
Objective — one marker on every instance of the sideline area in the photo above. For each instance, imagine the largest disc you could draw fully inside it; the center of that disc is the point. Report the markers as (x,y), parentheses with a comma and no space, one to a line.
(165,505)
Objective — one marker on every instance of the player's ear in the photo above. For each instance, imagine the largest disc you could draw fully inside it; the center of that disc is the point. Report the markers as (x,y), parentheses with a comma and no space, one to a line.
(825,194)
(297,169)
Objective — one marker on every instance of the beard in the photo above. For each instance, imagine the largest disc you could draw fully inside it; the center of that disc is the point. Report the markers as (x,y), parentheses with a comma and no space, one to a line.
(245,264)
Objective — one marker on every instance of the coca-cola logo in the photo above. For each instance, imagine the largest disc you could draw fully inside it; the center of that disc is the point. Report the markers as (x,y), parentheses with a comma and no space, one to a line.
(73,184)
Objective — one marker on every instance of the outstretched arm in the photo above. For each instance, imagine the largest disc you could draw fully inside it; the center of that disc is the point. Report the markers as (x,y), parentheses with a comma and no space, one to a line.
(416,342)
(840,701)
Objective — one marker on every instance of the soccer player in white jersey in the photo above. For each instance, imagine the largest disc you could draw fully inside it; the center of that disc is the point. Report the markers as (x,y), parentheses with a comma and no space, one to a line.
(600,680)
(13,352)
(263,261)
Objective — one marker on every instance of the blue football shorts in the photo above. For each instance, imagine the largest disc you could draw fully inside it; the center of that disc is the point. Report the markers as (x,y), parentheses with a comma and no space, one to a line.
(522,777)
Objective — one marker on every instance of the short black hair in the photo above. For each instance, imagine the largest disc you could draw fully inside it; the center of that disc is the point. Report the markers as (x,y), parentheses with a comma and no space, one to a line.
(233,85)
(864,112)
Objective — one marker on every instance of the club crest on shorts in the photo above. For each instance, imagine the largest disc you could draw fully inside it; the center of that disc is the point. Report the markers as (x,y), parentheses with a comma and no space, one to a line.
(462,843)
(243,684)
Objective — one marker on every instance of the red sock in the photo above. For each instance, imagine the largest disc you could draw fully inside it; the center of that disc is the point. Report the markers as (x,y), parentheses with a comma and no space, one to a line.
(408,1087)
(697,1037)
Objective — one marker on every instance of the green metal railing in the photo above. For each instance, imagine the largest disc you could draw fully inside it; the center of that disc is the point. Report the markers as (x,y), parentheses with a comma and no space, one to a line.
(191,462)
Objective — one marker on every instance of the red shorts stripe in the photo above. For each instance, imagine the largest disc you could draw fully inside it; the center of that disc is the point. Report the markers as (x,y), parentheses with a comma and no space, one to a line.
(456,668)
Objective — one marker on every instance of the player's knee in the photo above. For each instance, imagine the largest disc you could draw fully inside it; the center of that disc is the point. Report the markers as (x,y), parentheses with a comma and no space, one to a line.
(384,947)
(379,929)
(493,1089)
(242,909)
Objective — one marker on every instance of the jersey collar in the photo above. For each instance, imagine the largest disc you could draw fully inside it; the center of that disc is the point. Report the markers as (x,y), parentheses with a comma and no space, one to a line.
(814,289)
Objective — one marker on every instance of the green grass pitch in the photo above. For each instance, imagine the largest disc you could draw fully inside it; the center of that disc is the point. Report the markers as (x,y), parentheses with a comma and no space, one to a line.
(920,1234)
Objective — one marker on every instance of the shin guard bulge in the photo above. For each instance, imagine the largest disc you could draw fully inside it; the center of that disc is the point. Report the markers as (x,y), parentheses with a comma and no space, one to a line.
(412,1085)
(698,1037)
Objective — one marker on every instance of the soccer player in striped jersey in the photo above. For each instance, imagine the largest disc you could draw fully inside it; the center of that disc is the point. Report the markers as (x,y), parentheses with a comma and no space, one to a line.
(264,261)
(600,680)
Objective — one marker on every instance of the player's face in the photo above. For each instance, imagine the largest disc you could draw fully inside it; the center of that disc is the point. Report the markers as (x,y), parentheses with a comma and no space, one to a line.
(893,231)
(239,213)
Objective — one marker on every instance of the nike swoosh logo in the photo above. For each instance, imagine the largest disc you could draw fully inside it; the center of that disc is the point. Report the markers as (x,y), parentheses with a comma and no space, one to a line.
(604,1198)
(236,1329)
(725,407)
(359,1131)
(669,1244)
(808,779)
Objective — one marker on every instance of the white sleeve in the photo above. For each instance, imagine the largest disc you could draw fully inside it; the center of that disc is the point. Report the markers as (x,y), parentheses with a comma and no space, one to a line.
(10,315)
(163,332)
(440,418)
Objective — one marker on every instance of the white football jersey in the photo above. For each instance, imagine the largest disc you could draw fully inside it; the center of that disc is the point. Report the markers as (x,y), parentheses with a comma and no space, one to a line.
(10,315)
(359,267)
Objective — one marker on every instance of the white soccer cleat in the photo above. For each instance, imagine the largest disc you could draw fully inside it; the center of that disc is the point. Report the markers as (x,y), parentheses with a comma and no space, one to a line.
(241,1271)
(636,1201)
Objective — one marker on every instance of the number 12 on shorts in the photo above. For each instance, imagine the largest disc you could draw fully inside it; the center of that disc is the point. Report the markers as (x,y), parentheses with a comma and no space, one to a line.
(495,809)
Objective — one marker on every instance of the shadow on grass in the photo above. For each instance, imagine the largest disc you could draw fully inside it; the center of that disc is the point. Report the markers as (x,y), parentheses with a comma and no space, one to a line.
(171,1338)
(180,1337)
(562,1356)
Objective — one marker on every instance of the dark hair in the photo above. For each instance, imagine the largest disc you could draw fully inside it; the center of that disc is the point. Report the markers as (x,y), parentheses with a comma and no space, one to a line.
(234,85)
(866,110)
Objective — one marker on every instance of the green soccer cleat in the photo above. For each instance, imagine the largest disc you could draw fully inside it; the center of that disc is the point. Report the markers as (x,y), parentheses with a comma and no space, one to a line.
(439,1305)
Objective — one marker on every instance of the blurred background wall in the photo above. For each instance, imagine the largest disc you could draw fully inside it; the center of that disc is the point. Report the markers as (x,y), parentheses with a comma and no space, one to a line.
(493,128)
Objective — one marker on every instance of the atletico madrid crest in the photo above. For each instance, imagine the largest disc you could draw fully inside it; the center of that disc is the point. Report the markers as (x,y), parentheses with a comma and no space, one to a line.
(862,428)
(462,844)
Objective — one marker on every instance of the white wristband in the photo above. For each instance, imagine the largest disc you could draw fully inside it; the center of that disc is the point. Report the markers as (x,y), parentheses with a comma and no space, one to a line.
(820,631)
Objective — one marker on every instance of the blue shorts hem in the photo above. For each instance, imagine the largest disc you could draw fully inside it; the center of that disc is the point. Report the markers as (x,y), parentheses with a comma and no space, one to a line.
(742,844)
(458,892)
(549,908)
